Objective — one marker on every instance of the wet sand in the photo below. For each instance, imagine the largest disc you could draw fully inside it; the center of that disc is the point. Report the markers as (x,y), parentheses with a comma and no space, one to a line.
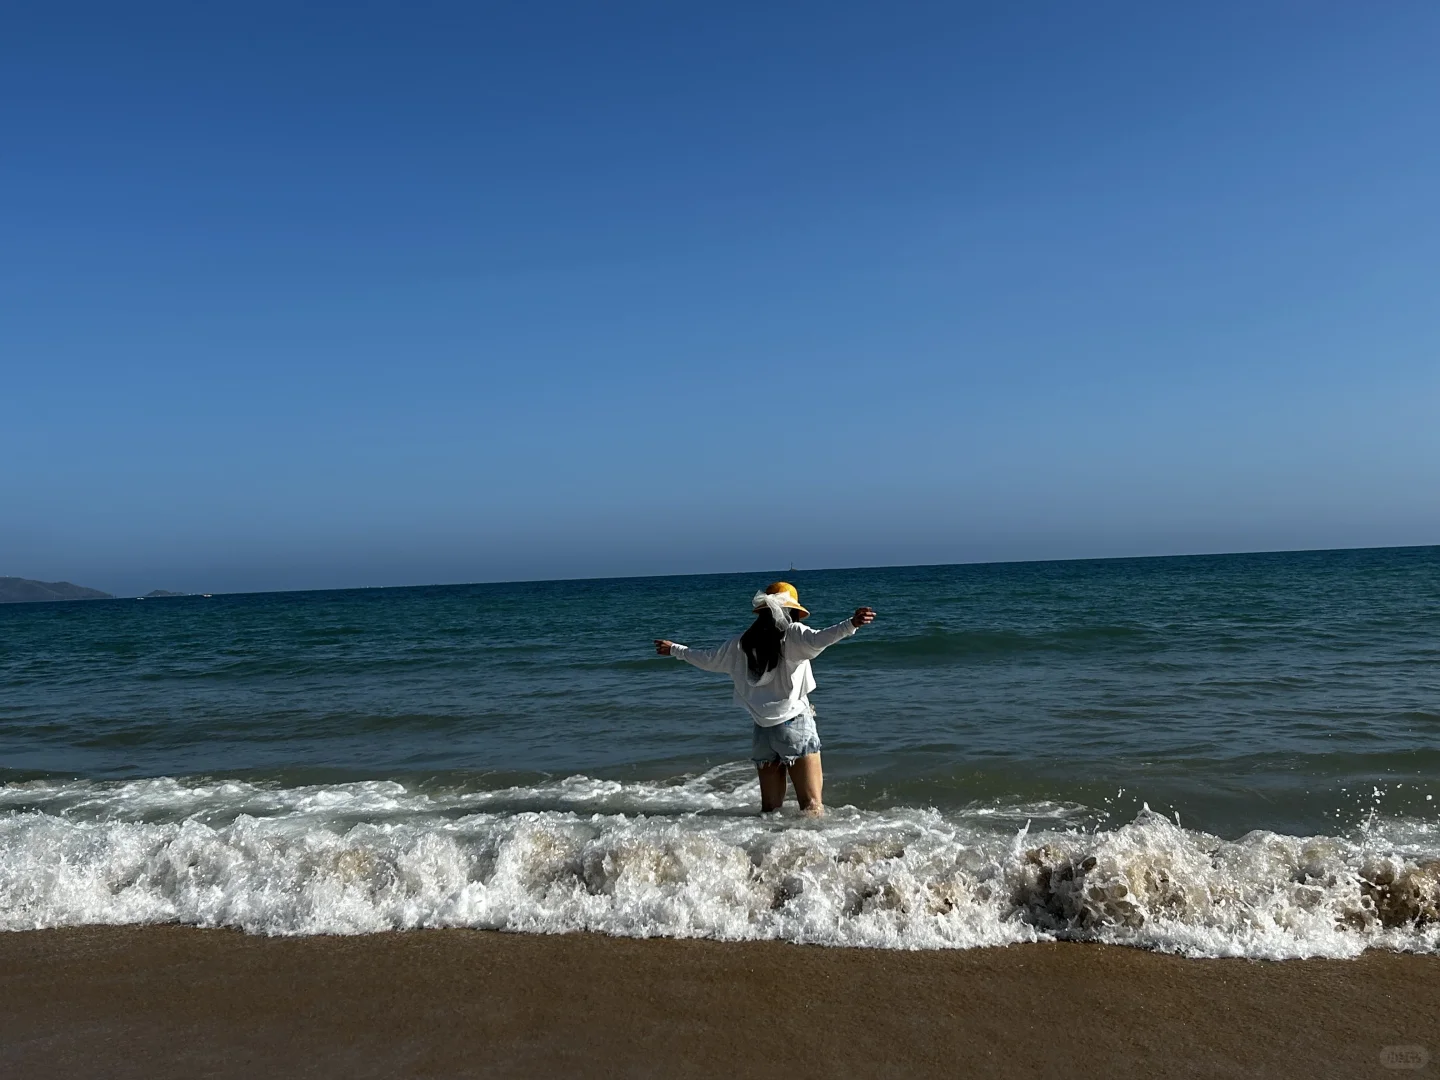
(160,1002)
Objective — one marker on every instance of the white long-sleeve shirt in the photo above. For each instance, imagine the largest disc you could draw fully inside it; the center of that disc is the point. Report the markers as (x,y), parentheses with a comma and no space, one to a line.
(782,692)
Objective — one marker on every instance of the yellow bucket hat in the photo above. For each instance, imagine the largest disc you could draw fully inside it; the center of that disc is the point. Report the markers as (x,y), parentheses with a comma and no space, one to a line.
(785,593)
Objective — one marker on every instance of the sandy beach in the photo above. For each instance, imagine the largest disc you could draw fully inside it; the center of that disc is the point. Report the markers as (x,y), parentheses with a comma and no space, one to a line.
(162,1002)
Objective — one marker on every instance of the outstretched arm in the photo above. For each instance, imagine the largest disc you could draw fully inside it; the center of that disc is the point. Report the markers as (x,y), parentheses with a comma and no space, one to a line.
(706,659)
(808,644)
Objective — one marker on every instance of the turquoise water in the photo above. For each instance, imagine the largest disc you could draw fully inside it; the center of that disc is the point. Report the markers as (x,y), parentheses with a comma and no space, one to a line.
(1243,691)
(1292,695)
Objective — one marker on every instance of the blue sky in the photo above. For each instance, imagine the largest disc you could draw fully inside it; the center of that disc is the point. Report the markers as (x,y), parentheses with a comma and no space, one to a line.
(428,292)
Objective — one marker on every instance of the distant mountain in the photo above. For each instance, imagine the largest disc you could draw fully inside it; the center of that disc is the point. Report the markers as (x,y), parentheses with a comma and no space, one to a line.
(163,592)
(17,590)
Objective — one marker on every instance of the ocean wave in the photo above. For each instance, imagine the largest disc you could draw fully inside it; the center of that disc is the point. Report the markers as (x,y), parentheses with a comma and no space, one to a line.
(945,647)
(690,858)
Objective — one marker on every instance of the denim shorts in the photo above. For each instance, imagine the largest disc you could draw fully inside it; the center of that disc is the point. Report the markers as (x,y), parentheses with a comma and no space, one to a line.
(785,742)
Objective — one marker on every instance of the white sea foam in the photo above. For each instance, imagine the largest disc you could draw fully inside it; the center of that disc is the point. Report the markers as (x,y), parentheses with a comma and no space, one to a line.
(691,859)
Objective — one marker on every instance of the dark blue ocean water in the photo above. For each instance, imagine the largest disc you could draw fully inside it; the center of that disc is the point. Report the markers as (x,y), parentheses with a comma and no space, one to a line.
(1229,755)
(1274,690)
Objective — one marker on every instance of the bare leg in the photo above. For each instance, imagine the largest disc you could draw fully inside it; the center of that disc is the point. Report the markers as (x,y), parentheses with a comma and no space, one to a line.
(772,786)
(805,774)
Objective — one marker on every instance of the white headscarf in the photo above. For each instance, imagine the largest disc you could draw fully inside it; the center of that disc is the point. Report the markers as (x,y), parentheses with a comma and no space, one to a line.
(776,603)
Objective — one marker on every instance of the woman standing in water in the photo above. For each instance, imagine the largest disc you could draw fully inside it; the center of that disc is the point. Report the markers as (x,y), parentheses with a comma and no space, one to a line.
(770,665)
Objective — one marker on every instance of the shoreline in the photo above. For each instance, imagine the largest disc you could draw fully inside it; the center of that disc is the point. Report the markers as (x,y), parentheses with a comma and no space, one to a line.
(173,1001)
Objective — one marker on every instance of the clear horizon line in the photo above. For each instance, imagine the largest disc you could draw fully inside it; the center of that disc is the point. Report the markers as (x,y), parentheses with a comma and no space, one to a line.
(728,573)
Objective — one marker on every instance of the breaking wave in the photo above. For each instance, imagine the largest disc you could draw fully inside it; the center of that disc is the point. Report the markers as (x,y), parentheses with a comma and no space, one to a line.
(690,858)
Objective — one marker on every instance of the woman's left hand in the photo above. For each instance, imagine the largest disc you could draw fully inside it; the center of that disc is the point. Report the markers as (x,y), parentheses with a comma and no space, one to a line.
(662,646)
(863,616)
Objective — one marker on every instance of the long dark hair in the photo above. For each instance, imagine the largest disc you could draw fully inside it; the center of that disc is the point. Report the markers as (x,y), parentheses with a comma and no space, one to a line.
(762,644)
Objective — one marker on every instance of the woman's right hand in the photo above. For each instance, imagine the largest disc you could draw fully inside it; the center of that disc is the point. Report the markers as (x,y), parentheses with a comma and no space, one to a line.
(863,616)
(662,646)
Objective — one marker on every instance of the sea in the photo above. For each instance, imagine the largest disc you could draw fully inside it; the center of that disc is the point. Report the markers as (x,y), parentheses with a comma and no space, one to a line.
(1230,755)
